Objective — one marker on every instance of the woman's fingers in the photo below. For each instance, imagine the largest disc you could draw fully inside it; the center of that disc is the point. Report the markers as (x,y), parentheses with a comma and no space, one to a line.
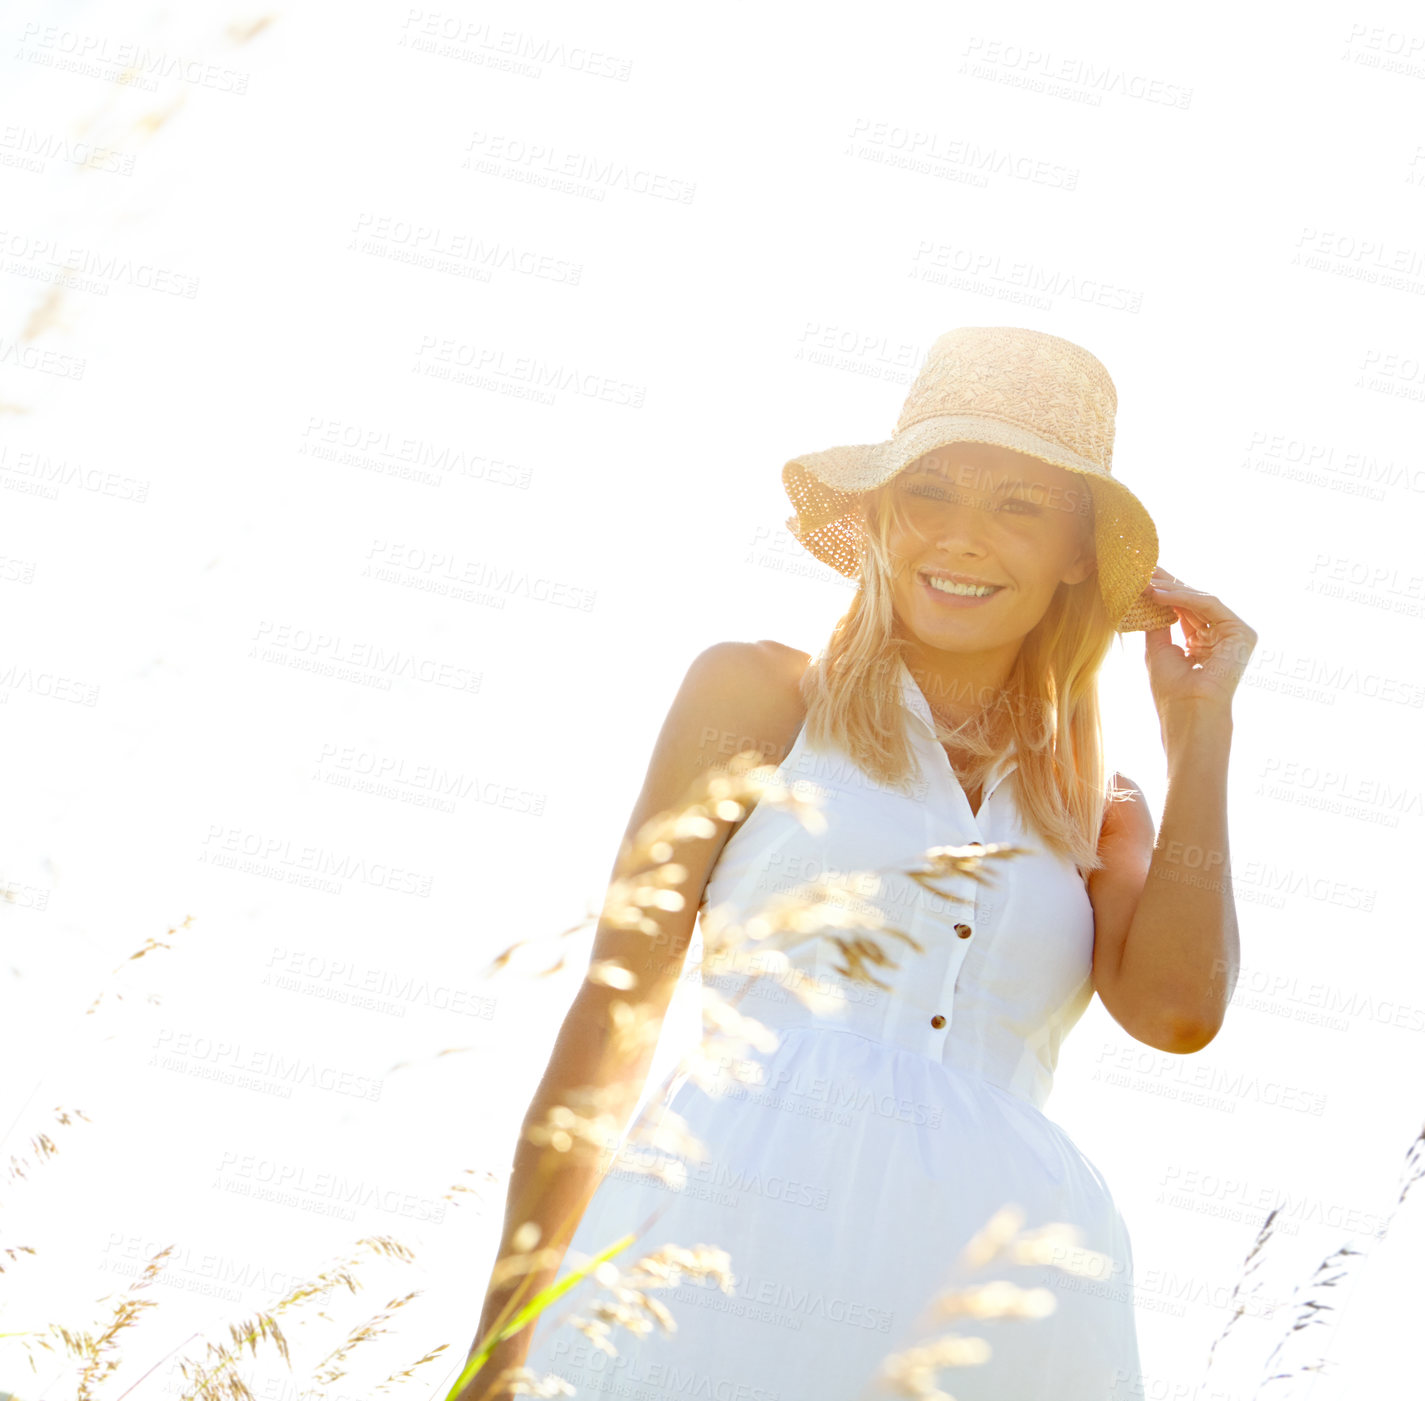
(1208,607)
(1204,618)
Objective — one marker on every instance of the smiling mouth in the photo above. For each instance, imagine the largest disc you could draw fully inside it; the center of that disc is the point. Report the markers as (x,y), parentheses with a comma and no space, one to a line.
(958,589)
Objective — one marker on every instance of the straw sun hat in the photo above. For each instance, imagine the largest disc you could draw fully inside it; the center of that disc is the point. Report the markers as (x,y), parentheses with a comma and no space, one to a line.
(1013,388)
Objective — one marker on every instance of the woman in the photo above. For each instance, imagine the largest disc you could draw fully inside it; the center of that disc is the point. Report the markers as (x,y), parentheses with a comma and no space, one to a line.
(955,704)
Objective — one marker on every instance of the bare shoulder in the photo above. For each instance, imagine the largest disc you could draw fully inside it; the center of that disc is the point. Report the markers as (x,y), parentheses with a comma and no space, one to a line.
(734,696)
(1128,827)
(747,695)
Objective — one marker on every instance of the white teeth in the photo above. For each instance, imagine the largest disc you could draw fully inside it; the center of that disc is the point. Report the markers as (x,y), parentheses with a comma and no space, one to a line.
(966,590)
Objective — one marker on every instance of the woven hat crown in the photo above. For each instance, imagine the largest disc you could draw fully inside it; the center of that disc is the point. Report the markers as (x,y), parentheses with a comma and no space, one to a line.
(1041,383)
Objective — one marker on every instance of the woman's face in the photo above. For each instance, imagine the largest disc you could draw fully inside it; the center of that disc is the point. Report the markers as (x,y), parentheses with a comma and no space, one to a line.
(994,517)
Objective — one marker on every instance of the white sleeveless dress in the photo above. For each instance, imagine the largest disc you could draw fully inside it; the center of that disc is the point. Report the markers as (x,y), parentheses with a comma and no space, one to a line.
(883,1136)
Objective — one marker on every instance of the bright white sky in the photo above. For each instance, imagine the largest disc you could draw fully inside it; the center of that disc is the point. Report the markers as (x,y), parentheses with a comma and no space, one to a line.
(1247,200)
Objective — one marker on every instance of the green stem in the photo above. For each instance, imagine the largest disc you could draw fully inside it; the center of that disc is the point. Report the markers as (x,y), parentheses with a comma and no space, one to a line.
(537,1304)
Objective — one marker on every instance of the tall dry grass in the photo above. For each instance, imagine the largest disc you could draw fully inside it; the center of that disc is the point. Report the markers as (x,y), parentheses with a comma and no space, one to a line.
(211,1362)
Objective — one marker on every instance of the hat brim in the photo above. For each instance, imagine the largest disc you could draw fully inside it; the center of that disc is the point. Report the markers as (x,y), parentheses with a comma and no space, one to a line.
(826,487)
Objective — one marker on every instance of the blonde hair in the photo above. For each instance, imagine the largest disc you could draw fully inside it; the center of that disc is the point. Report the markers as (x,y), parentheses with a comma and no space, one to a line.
(1048,705)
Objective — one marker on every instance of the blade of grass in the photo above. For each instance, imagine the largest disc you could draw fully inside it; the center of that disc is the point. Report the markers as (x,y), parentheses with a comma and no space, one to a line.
(540,1302)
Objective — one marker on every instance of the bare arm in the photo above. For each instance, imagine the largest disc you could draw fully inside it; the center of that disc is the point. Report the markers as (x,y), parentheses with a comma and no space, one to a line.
(1166,964)
(735,695)
(1170,959)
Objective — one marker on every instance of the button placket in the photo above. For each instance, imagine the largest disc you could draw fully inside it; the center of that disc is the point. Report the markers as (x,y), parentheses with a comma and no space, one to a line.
(956,801)
(964,932)
(956,939)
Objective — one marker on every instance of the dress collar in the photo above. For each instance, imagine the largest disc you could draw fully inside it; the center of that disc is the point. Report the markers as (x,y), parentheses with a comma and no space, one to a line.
(919,710)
